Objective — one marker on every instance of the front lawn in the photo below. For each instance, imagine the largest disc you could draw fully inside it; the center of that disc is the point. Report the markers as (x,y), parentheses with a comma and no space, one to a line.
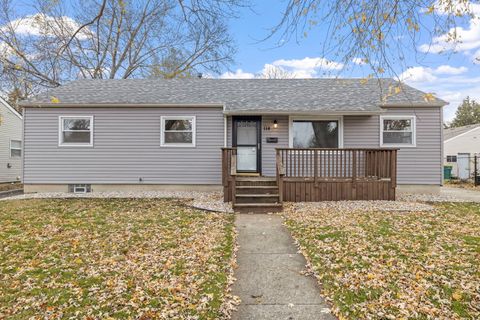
(394,265)
(119,258)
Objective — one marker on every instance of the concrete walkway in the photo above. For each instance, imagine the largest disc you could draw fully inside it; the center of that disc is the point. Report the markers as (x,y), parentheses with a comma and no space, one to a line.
(269,279)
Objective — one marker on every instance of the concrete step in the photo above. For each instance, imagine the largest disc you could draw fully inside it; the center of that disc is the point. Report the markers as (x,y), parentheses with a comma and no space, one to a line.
(257,198)
(257,207)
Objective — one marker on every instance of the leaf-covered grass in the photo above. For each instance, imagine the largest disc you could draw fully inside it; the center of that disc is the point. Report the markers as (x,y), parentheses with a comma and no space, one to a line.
(386,265)
(120,258)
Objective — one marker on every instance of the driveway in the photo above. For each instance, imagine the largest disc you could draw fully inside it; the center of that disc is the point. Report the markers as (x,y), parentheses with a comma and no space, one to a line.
(461,194)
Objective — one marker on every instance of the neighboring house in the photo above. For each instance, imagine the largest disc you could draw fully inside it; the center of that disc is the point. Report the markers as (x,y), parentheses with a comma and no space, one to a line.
(10,143)
(150,134)
(460,146)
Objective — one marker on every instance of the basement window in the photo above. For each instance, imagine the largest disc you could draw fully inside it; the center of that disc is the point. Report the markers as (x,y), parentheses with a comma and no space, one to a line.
(80,188)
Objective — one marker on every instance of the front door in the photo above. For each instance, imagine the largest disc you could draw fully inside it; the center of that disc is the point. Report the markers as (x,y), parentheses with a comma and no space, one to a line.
(247,139)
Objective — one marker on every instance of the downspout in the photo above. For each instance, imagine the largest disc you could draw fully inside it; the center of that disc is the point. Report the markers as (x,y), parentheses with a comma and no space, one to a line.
(224,131)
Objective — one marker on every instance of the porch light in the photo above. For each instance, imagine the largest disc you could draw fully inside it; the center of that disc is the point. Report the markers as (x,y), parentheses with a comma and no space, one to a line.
(275,124)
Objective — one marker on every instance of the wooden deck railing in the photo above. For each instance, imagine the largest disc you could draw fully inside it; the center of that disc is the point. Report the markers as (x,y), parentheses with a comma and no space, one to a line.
(339,171)
(229,173)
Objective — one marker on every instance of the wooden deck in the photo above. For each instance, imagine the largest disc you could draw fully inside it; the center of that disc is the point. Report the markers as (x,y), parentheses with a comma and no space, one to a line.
(324,174)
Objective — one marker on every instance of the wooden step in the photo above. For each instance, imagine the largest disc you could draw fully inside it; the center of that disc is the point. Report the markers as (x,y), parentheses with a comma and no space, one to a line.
(256,190)
(255,182)
(240,178)
(257,207)
(257,198)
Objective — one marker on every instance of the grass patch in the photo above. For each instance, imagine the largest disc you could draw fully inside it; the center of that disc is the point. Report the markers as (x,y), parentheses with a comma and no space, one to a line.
(382,265)
(120,258)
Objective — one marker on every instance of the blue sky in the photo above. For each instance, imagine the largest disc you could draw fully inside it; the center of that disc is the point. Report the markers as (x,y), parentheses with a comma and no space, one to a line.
(450,76)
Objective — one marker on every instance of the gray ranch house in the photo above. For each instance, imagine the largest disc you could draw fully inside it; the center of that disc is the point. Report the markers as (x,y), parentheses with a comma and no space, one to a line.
(11,123)
(261,141)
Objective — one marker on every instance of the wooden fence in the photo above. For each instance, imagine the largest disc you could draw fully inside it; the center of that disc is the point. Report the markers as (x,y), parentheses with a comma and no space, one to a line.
(336,174)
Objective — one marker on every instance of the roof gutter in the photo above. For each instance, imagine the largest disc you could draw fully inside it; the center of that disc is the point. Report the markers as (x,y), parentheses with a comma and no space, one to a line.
(413,105)
(304,113)
(117,105)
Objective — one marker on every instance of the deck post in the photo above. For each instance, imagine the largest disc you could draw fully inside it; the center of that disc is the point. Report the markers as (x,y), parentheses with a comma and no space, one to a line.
(315,168)
(280,173)
(354,174)
(393,169)
(233,173)
(225,175)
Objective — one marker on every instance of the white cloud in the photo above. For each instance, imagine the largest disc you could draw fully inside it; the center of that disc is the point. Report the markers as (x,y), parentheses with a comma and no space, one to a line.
(294,68)
(239,74)
(42,25)
(425,74)
(418,74)
(358,61)
(467,38)
(451,84)
(446,69)
(308,67)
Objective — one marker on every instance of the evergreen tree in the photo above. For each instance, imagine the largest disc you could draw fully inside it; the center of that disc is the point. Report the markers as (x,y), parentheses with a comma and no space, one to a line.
(467,113)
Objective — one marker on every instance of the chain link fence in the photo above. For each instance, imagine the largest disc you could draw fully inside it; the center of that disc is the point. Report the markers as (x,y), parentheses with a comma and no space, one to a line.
(463,167)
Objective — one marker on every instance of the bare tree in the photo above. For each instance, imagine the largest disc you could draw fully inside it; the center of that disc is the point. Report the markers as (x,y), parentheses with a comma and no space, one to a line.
(274,72)
(66,40)
(378,33)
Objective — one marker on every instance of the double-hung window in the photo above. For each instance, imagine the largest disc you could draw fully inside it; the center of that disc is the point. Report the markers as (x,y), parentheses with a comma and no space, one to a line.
(177,131)
(15,148)
(397,131)
(75,131)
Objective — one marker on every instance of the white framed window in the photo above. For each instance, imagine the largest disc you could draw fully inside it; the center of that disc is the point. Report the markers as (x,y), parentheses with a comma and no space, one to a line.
(75,131)
(315,132)
(397,131)
(15,148)
(177,131)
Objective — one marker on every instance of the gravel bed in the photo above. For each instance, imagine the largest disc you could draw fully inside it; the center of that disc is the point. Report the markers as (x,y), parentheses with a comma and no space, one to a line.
(423,197)
(363,206)
(212,201)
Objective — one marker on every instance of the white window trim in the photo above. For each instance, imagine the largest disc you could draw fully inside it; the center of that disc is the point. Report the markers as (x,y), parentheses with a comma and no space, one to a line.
(21,149)
(178,145)
(60,131)
(313,118)
(82,186)
(399,145)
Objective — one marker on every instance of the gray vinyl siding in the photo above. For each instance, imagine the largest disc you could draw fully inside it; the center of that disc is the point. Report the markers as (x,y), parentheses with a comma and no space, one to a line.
(126,147)
(268,149)
(419,165)
(10,129)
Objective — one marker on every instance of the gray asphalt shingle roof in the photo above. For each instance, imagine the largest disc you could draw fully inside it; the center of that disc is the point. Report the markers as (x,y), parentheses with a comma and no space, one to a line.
(239,95)
(453,132)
